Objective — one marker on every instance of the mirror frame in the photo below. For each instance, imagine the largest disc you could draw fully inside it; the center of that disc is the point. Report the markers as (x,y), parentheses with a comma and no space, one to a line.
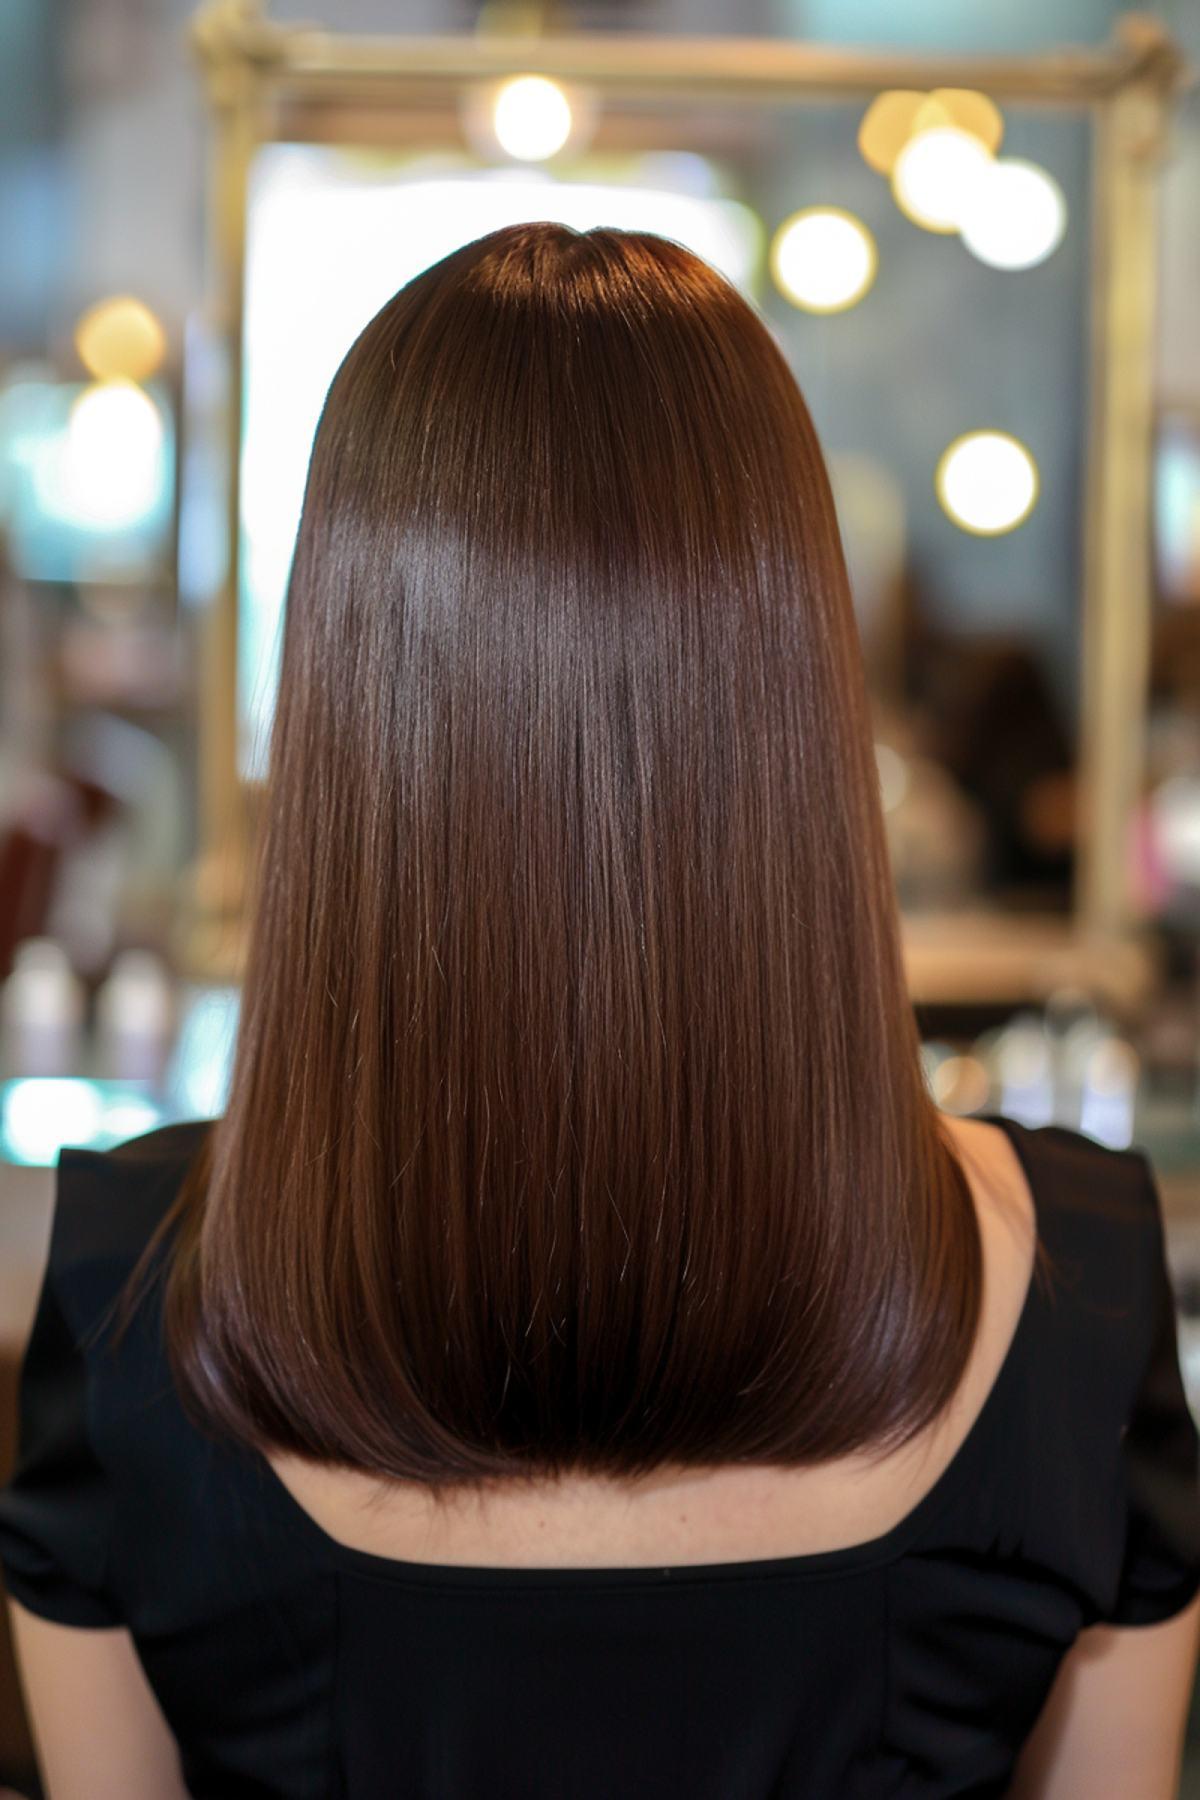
(266,82)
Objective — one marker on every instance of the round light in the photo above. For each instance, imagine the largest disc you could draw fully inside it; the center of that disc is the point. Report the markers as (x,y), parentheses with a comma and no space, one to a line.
(1016,215)
(823,259)
(120,337)
(936,174)
(972,112)
(531,117)
(112,455)
(887,125)
(987,482)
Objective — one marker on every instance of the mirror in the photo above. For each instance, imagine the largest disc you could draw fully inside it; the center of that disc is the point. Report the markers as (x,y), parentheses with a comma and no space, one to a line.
(948,251)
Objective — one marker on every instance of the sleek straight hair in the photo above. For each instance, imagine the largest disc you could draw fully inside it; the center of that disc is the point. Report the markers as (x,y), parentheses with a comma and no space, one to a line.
(577,1119)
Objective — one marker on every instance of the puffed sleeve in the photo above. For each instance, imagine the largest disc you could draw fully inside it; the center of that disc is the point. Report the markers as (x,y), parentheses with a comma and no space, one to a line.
(1161,1463)
(55,1509)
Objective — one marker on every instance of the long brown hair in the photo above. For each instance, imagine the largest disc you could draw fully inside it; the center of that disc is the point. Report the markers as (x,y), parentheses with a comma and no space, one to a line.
(577,1120)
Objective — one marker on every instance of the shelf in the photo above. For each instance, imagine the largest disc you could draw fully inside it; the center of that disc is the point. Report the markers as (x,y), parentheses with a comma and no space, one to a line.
(986,957)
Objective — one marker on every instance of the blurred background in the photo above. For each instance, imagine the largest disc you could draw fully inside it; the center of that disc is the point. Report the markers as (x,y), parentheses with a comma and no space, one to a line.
(975,233)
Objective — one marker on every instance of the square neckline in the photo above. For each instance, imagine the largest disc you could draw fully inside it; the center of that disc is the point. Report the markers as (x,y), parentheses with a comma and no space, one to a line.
(885,1547)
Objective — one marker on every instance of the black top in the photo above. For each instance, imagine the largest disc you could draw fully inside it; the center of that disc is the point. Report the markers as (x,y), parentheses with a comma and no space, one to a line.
(914,1664)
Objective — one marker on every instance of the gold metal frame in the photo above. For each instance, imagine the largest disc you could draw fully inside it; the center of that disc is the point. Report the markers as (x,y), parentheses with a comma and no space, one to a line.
(265,81)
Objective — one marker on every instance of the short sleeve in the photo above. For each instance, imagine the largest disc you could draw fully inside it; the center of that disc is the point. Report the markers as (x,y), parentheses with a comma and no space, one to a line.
(55,1508)
(1161,1464)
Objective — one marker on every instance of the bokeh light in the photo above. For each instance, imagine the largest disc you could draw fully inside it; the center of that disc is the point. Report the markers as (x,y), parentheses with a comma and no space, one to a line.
(899,114)
(823,259)
(887,125)
(966,109)
(935,176)
(531,118)
(987,482)
(108,469)
(1015,216)
(42,1113)
(120,337)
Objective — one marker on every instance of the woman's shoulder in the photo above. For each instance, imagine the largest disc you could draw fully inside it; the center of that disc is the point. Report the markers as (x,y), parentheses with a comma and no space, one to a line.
(107,1188)
(167,1146)
(1087,1194)
(1108,1303)
(58,1510)
(1100,1265)
(107,1205)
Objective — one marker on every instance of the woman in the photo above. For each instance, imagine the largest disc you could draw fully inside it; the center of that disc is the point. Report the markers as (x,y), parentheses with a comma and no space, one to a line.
(585,1361)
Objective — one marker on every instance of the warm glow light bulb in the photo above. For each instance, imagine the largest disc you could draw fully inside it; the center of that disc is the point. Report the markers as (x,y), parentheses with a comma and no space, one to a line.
(887,125)
(112,456)
(1016,215)
(987,482)
(899,114)
(972,112)
(531,117)
(936,174)
(823,259)
(120,337)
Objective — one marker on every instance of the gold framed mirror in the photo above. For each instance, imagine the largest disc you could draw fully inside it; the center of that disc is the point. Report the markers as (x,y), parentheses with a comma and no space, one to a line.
(294,107)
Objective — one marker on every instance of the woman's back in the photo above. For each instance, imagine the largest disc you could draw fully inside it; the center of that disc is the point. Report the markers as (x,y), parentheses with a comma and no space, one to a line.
(906,1649)
(723,1515)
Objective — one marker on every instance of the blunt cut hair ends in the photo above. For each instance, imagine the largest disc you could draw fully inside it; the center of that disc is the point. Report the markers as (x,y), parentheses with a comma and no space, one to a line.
(577,1121)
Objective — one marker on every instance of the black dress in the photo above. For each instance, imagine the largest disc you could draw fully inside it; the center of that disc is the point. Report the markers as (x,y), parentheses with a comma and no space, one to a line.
(911,1665)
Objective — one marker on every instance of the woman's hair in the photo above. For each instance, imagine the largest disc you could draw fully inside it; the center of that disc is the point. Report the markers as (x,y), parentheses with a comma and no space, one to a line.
(577,1120)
